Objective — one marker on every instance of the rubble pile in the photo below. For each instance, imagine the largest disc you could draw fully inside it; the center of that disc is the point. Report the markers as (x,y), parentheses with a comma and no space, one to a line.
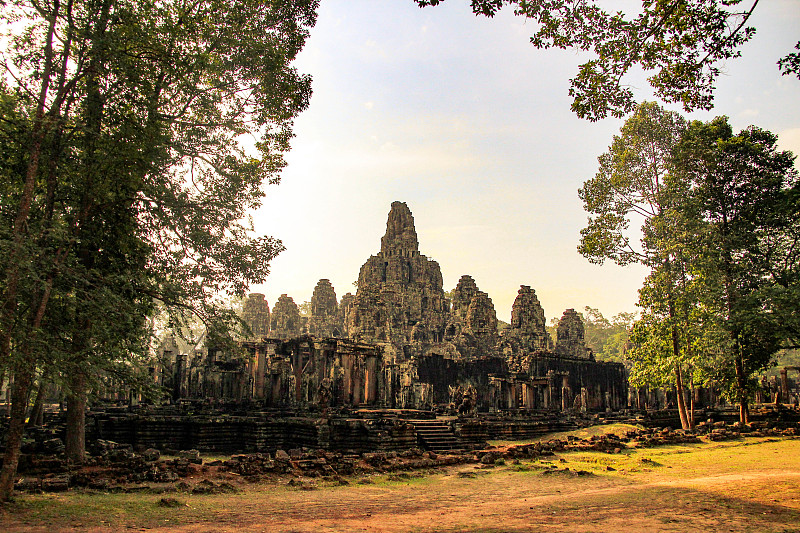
(719,431)
(111,466)
(645,438)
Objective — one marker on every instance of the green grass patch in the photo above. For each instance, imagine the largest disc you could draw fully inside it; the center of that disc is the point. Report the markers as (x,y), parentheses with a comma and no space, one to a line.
(583,433)
(103,509)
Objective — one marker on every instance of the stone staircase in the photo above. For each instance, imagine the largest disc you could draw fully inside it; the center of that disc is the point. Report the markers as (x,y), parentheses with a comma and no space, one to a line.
(436,436)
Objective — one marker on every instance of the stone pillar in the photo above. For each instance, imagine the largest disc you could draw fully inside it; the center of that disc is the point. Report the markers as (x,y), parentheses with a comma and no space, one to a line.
(494,395)
(584,399)
(608,402)
(178,375)
(371,380)
(515,393)
(566,394)
(760,394)
(260,373)
(784,397)
(527,395)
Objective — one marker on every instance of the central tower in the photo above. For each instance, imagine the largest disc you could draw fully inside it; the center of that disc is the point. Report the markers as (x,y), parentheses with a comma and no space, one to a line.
(399,299)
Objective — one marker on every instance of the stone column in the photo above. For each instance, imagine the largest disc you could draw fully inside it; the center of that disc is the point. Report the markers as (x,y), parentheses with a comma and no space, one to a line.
(528,392)
(566,394)
(584,399)
(257,373)
(784,386)
(178,375)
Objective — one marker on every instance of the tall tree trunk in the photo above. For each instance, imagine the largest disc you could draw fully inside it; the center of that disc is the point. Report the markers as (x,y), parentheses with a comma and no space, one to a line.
(37,412)
(20,390)
(75,438)
(741,383)
(691,402)
(676,345)
(9,306)
(2,379)
(679,389)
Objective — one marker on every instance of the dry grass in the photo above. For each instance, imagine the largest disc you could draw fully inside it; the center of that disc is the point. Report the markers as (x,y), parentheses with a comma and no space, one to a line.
(745,485)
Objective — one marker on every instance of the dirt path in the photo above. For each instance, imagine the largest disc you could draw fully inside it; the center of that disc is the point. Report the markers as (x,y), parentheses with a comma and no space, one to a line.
(512,502)
(737,488)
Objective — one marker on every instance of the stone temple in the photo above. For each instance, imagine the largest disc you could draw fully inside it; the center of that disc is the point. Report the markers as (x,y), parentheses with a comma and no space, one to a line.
(401,343)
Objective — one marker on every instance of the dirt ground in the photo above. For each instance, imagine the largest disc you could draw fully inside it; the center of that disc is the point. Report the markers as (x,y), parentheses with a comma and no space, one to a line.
(745,485)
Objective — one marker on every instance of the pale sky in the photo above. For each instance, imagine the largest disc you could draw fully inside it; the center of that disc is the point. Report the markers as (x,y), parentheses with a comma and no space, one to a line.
(465,121)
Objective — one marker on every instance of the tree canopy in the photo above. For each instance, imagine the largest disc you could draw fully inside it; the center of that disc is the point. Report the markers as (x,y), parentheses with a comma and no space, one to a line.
(744,193)
(127,178)
(719,232)
(681,45)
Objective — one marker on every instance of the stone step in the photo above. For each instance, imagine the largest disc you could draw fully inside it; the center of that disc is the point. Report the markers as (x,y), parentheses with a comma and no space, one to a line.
(436,436)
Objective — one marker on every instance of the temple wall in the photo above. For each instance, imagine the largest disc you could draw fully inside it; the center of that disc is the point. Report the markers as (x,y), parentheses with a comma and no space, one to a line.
(256,433)
(444,373)
(606,383)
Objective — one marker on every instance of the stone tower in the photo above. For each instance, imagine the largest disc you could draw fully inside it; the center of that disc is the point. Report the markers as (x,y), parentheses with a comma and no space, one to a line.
(473,319)
(255,313)
(528,324)
(286,321)
(399,297)
(570,337)
(462,296)
(324,311)
(481,320)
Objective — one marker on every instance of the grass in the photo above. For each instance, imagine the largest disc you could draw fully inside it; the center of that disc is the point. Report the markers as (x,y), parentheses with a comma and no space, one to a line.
(582,433)
(678,461)
(76,509)
(697,467)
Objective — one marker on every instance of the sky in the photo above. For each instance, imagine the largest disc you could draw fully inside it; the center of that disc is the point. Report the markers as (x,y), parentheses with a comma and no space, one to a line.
(469,124)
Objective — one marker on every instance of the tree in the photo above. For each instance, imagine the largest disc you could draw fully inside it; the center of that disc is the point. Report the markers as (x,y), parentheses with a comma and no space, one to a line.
(633,183)
(745,191)
(682,43)
(127,180)
(667,341)
(608,339)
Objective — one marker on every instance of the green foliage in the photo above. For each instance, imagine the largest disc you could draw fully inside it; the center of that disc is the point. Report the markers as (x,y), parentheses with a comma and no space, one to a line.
(791,63)
(630,185)
(744,190)
(681,44)
(720,232)
(125,183)
(608,339)
(138,185)
(633,184)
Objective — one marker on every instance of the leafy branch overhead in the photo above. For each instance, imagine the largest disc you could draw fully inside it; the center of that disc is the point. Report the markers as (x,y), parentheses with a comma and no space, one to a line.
(682,45)
(791,63)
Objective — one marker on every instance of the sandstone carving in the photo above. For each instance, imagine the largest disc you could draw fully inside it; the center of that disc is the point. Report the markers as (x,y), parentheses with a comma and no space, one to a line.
(255,313)
(400,293)
(324,320)
(570,337)
(399,342)
(286,321)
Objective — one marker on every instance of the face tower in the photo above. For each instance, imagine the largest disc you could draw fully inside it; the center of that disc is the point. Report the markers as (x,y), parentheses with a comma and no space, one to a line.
(400,297)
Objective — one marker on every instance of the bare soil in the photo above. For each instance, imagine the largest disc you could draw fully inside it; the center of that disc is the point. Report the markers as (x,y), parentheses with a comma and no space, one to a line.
(746,485)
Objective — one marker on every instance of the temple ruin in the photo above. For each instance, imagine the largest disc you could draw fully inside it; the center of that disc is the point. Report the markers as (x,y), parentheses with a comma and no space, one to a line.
(398,366)
(401,343)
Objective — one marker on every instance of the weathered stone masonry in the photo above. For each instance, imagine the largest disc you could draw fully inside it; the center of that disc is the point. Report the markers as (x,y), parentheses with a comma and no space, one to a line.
(399,342)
